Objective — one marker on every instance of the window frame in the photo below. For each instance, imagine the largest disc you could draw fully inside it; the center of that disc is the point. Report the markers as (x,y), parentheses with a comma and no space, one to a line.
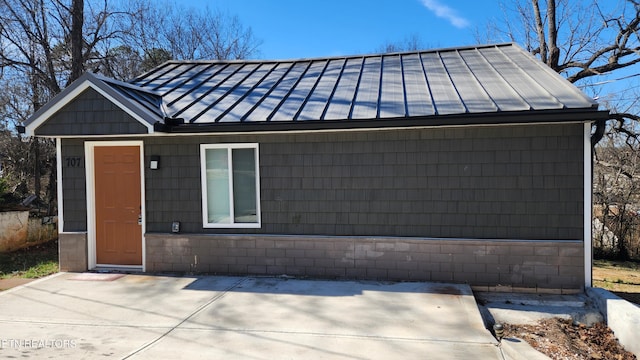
(203,178)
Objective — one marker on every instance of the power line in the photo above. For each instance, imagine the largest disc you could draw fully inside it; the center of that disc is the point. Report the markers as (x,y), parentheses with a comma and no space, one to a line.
(609,81)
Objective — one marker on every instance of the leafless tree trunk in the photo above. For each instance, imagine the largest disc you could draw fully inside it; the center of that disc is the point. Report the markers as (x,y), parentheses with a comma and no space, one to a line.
(542,39)
(77,41)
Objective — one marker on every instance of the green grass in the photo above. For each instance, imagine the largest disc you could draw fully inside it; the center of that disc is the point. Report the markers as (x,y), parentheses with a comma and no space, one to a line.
(630,265)
(30,263)
(620,277)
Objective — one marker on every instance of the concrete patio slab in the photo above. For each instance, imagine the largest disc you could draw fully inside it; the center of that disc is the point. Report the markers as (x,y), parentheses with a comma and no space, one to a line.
(207,344)
(158,317)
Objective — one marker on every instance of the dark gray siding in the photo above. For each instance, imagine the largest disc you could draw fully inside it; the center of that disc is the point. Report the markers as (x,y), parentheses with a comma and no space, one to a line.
(91,114)
(173,192)
(504,182)
(74,185)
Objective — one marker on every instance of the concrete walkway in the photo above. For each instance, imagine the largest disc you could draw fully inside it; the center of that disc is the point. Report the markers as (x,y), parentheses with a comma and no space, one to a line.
(162,317)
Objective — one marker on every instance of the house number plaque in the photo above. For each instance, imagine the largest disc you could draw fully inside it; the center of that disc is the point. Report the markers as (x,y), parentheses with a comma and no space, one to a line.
(72,161)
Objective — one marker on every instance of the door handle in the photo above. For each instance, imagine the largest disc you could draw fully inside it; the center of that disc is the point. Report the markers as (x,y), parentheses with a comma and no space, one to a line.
(139,219)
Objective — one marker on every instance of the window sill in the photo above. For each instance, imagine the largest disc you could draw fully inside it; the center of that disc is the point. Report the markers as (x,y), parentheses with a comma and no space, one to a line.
(232,226)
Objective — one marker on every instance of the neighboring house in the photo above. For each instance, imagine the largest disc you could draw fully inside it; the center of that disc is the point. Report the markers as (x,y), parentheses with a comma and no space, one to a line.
(462,165)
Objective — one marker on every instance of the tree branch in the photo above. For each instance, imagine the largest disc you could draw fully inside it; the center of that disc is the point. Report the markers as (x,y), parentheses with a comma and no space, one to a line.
(615,166)
(540,31)
(554,52)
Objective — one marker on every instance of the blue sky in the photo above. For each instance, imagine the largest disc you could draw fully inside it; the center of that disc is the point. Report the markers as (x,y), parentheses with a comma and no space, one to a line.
(303,28)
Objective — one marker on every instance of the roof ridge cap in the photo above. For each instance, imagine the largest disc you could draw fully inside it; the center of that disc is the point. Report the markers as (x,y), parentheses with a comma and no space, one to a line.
(112,81)
(337,57)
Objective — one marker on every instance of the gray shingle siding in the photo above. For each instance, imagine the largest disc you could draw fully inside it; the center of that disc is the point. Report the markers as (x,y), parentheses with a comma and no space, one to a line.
(74,186)
(90,114)
(514,182)
(506,182)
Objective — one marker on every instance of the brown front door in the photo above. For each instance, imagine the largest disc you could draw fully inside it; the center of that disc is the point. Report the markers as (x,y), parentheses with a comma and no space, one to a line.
(118,205)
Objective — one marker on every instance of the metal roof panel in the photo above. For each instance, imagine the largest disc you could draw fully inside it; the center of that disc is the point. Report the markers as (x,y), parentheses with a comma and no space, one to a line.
(518,79)
(201,79)
(153,74)
(473,96)
(368,90)
(418,96)
(443,91)
(499,90)
(236,94)
(173,71)
(184,107)
(321,95)
(299,94)
(566,93)
(392,99)
(342,101)
(217,94)
(279,92)
(182,81)
(256,95)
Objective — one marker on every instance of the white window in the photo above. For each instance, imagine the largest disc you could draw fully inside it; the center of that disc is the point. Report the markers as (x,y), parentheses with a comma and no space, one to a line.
(230,185)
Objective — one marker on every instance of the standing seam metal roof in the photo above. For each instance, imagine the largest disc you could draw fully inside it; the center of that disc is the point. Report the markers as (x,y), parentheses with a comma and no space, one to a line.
(454,86)
(482,79)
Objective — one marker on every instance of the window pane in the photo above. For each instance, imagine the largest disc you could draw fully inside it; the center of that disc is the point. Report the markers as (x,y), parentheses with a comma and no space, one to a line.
(244,185)
(218,186)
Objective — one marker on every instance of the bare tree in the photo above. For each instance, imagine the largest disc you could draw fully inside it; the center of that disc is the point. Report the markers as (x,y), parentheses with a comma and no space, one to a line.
(121,62)
(616,195)
(579,38)
(410,43)
(179,31)
(26,34)
(47,44)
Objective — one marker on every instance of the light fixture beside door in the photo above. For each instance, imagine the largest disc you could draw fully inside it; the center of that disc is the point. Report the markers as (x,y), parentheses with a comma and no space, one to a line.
(154,163)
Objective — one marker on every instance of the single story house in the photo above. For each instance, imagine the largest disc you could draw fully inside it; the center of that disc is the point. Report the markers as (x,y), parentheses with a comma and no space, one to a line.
(468,164)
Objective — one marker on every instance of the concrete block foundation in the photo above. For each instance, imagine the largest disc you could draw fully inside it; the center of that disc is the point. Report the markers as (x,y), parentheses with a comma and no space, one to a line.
(544,266)
(73,251)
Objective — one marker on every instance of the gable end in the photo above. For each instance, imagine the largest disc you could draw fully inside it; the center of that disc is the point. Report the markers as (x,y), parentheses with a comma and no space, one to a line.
(90,113)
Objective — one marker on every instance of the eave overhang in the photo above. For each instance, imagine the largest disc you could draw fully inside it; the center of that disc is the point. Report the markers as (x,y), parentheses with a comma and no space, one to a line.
(520,117)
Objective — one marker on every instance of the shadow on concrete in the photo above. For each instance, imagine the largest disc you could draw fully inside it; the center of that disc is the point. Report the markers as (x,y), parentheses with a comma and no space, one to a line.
(293,286)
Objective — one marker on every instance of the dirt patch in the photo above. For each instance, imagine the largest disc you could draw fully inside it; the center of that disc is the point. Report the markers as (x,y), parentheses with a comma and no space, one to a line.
(560,339)
(13,282)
